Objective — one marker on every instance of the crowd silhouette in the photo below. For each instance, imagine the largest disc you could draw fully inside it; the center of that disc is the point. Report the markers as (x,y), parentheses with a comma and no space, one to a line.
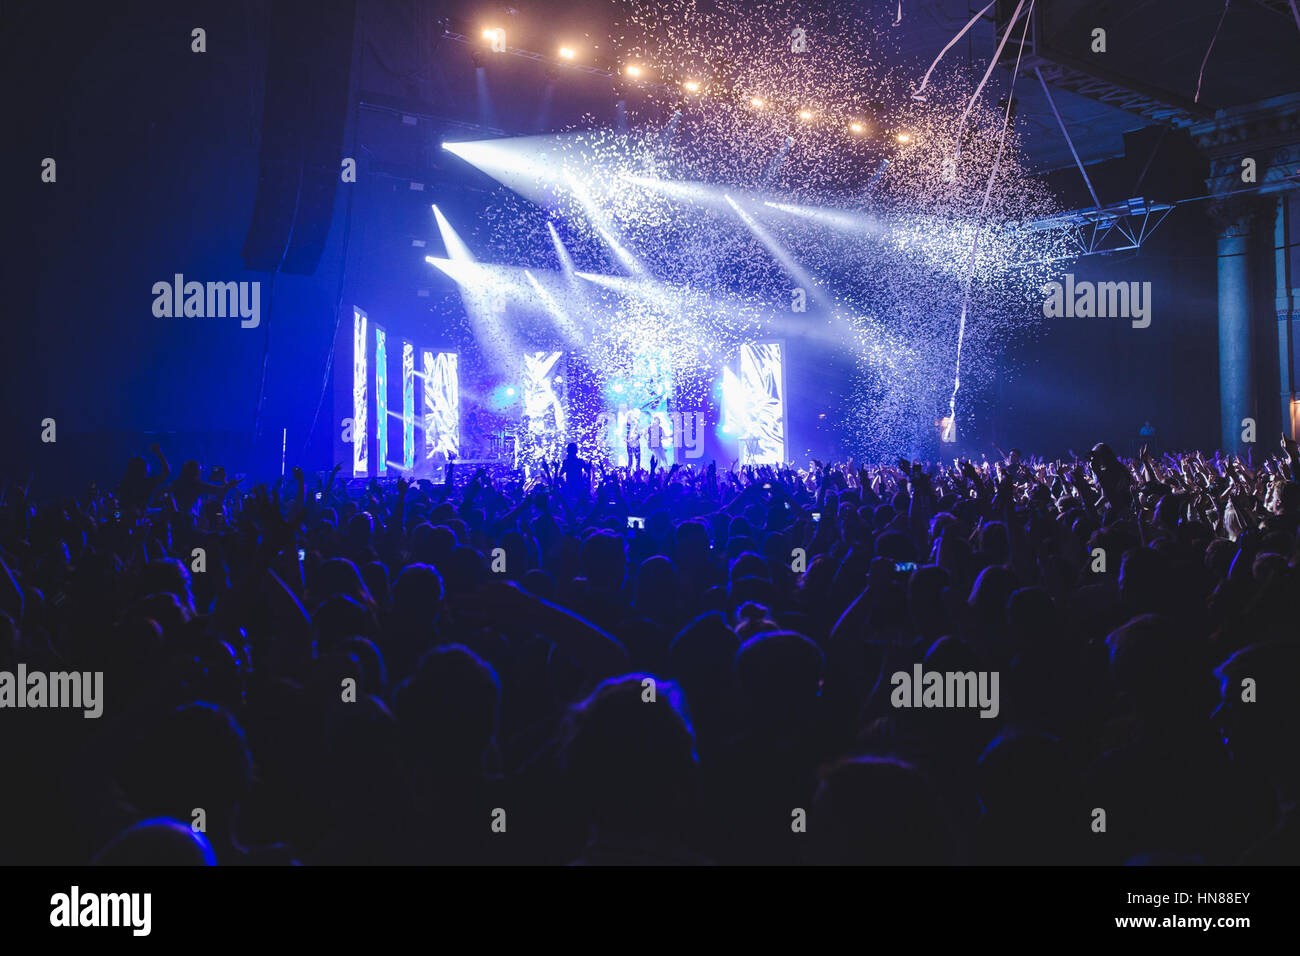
(507,670)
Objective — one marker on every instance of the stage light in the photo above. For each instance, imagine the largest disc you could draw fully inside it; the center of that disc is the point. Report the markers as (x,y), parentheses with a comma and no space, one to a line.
(526,164)
(691,86)
(857,128)
(502,397)
(496,37)
(805,115)
(632,70)
(904,138)
(566,53)
(756,102)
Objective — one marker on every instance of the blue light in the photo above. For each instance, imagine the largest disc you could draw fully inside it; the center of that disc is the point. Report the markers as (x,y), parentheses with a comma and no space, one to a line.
(503,396)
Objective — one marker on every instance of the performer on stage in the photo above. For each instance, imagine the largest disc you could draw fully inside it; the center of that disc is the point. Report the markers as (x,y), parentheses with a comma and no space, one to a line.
(632,435)
(655,437)
(576,473)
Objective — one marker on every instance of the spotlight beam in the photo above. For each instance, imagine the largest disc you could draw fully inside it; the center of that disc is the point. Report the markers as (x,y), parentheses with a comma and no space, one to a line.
(778,251)
(839,219)
(456,249)
(566,324)
(566,260)
(603,225)
(686,191)
(482,293)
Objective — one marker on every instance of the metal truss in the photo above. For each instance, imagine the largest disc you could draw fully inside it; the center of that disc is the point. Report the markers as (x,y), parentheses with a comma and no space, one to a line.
(1119,227)
(449,34)
(1090,79)
(1113,91)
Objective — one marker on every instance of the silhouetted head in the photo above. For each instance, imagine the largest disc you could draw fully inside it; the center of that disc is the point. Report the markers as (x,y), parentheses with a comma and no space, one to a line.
(701,656)
(157,842)
(630,753)
(417,594)
(1103,455)
(655,586)
(780,677)
(196,757)
(1259,726)
(1159,670)
(448,707)
(877,811)
(170,576)
(340,617)
(340,576)
(603,560)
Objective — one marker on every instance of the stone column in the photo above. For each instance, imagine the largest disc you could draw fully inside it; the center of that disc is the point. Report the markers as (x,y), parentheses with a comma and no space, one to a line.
(1237,220)
(1285,258)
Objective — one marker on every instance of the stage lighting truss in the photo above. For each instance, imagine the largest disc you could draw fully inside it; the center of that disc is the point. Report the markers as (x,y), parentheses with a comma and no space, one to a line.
(691,85)
(1089,78)
(1120,227)
(449,32)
